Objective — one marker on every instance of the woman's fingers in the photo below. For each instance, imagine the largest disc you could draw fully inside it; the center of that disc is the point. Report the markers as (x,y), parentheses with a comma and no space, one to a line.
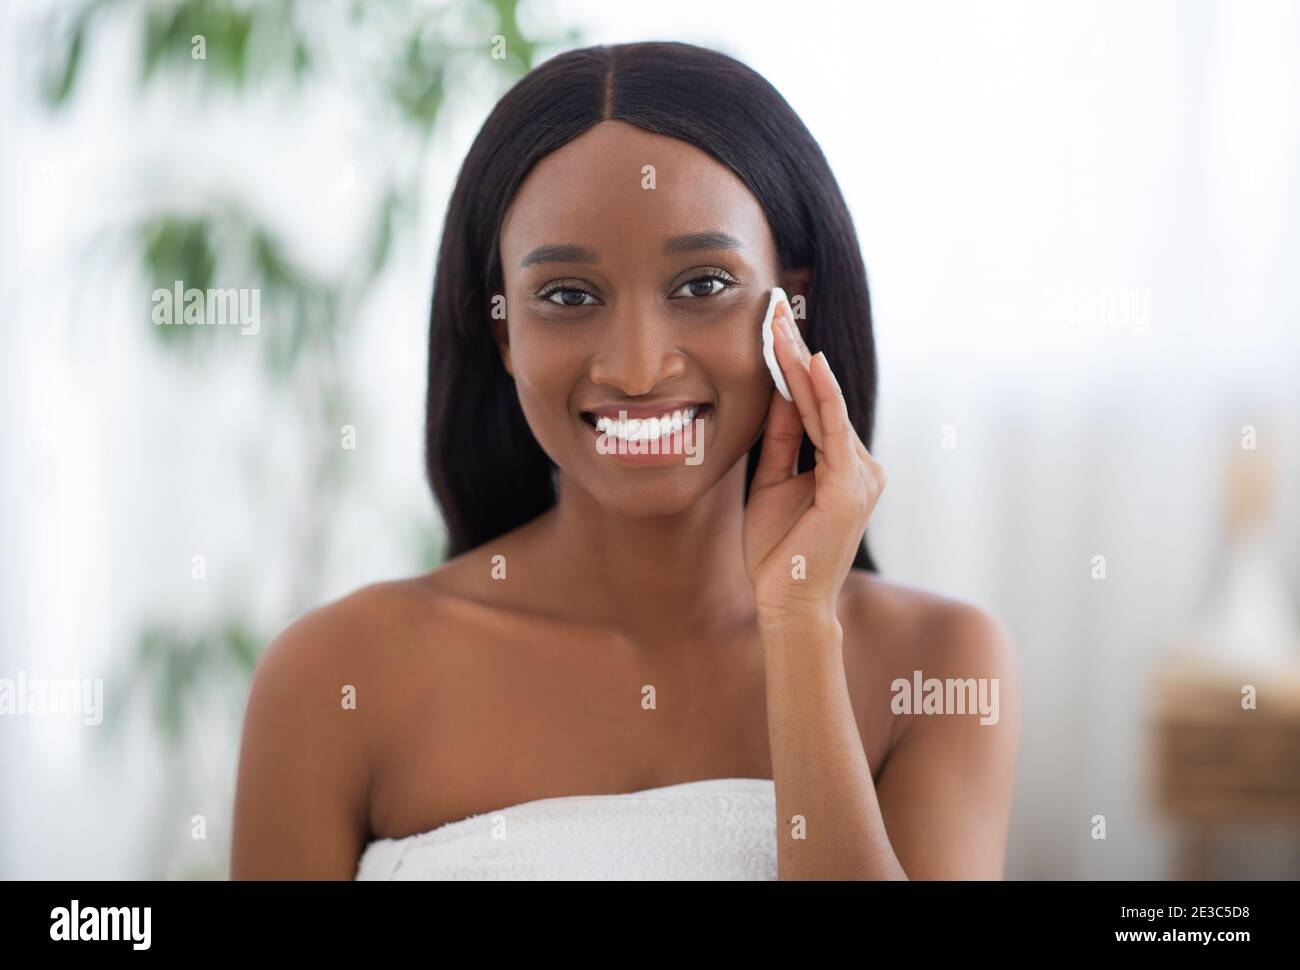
(820,407)
(838,436)
(844,453)
(778,458)
(792,355)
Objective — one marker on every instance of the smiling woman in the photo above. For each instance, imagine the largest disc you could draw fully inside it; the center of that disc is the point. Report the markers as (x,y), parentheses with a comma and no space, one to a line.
(637,668)
(552,208)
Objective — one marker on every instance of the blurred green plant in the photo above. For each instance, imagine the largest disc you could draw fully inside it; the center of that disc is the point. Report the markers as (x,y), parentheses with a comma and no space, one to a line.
(401,56)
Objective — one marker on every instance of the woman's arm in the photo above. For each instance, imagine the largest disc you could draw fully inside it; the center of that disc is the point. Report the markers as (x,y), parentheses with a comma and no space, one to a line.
(947,785)
(829,824)
(944,799)
(946,789)
(301,805)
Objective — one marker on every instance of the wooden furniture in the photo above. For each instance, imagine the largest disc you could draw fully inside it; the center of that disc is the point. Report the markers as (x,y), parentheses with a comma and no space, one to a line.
(1218,766)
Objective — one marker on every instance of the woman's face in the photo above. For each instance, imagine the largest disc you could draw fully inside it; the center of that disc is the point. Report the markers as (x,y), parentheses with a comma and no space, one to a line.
(624,296)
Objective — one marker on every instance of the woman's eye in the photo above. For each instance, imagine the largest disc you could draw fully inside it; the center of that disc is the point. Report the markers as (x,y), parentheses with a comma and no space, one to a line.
(710,284)
(704,286)
(567,296)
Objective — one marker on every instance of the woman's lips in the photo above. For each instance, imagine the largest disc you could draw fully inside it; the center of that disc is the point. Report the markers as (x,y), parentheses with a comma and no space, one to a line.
(676,441)
(613,417)
(653,409)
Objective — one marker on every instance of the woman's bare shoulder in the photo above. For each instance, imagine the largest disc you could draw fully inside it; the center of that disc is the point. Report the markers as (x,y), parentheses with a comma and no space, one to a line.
(385,615)
(322,706)
(359,652)
(906,626)
(305,771)
(362,624)
(893,630)
(385,632)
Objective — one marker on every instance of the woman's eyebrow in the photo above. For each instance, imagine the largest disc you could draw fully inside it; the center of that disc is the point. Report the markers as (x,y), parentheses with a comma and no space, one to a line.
(700,240)
(558,253)
(688,242)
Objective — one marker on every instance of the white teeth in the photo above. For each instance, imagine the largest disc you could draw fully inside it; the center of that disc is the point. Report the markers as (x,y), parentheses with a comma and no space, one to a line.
(647,429)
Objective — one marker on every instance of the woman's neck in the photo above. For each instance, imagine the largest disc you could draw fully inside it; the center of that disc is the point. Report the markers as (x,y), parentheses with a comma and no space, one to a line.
(652,578)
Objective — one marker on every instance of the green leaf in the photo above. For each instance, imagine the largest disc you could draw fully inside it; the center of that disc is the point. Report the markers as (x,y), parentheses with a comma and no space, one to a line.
(179,247)
(382,245)
(64,54)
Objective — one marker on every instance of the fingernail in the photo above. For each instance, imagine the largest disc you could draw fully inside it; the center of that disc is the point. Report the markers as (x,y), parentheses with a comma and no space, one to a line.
(827,365)
(792,334)
(804,354)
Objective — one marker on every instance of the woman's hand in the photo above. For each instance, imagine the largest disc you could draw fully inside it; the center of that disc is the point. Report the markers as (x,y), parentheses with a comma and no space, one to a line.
(803,531)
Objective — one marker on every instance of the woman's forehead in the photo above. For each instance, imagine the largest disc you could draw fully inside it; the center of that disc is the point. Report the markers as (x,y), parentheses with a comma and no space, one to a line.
(617,185)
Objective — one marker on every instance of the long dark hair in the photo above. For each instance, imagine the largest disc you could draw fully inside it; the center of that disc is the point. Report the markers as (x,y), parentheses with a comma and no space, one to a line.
(489,474)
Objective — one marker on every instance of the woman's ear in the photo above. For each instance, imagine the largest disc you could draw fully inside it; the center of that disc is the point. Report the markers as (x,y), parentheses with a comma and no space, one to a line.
(501,336)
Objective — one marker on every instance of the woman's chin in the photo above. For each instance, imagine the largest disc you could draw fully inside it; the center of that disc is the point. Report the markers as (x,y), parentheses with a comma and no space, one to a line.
(638,497)
(650,491)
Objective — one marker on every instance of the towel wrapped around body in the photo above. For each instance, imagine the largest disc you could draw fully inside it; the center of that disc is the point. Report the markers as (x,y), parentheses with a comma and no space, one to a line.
(716,829)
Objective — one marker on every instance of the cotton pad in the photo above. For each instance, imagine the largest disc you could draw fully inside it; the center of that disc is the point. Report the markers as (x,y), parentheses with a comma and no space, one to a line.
(769,344)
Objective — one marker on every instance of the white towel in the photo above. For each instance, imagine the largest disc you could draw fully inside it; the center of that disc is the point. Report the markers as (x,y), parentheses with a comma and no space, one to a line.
(716,829)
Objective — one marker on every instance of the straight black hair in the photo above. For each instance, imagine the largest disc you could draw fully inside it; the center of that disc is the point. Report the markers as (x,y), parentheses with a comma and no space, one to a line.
(489,475)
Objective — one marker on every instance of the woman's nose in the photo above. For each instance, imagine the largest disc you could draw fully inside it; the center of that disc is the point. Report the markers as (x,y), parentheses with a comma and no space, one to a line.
(637,354)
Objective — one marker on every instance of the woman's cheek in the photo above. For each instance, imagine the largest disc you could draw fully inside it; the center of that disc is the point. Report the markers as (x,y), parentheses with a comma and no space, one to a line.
(544,381)
(750,385)
(740,352)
